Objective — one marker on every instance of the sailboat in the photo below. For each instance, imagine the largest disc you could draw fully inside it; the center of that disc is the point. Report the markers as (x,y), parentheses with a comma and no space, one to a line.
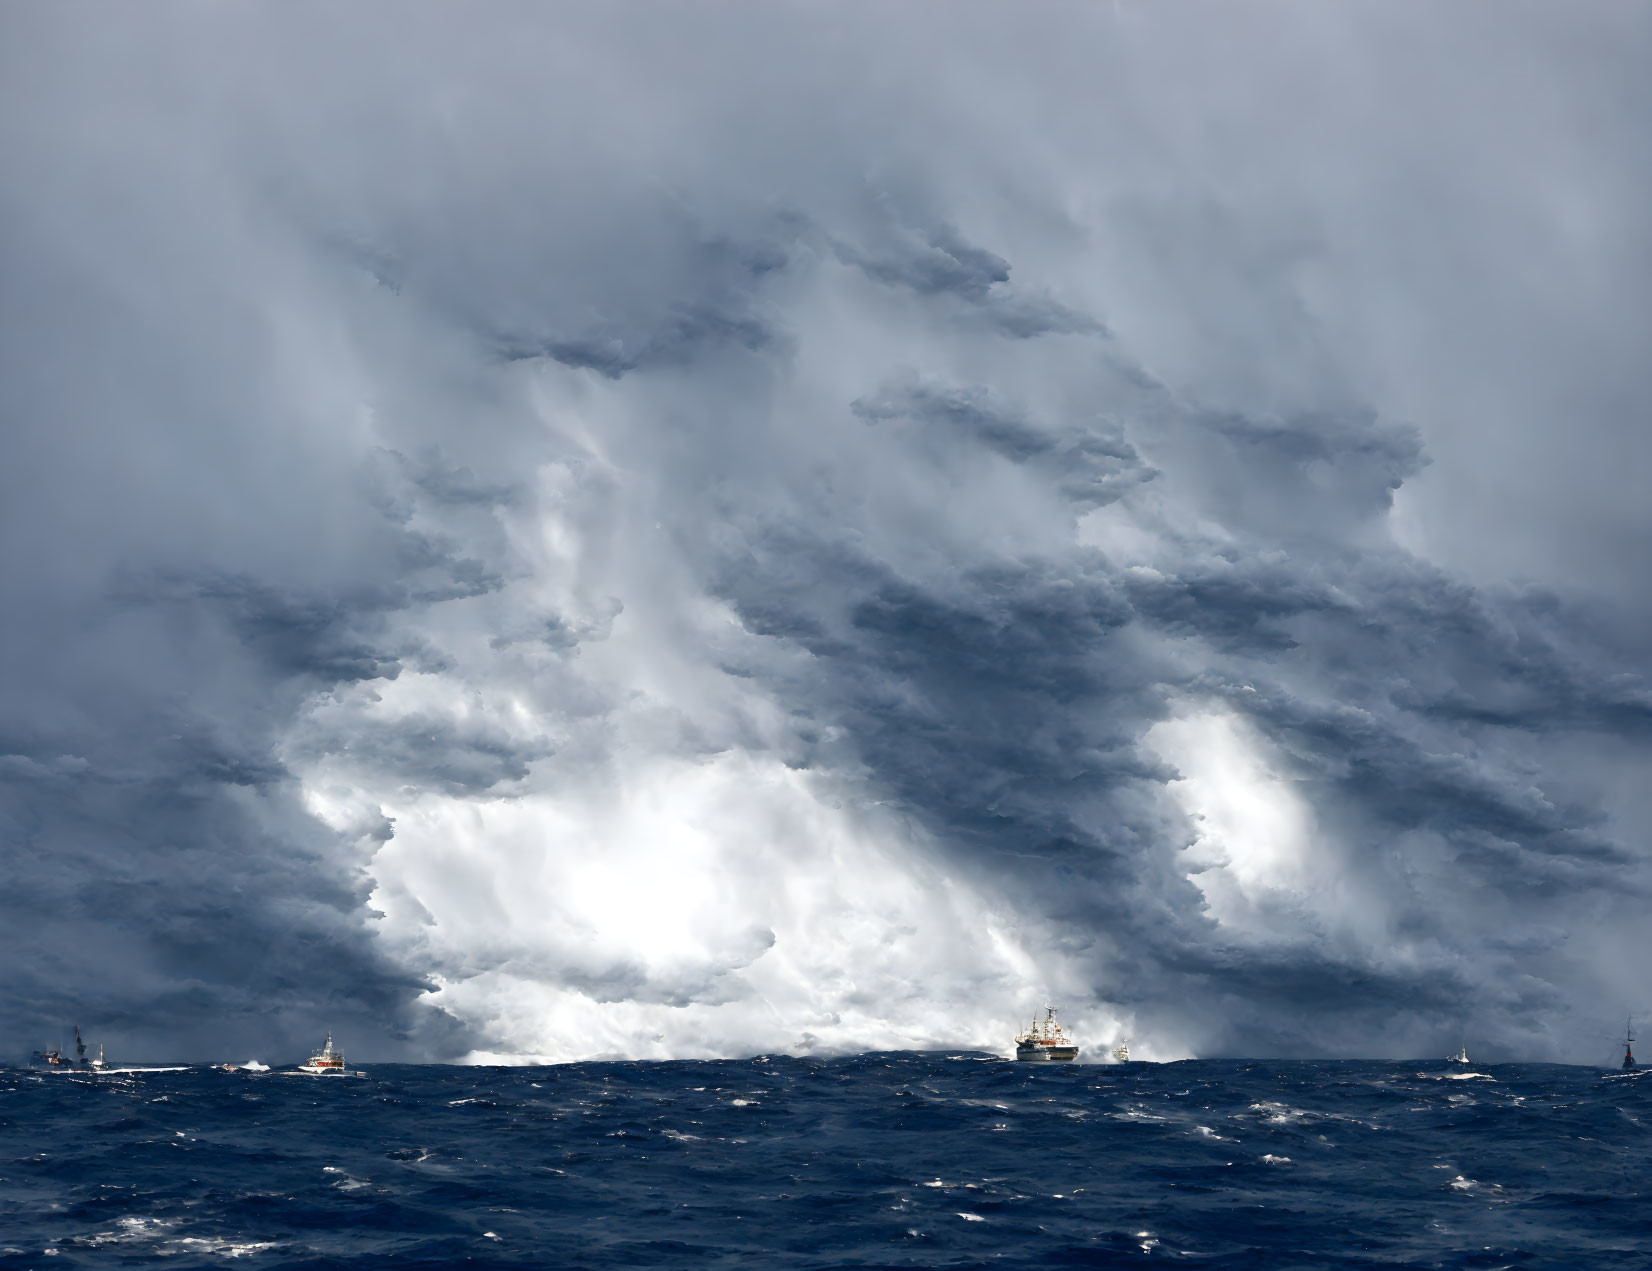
(1629,1063)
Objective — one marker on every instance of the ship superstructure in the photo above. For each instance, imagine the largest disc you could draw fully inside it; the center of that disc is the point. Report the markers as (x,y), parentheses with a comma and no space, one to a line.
(326,1060)
(1043,1041)
(54,1059)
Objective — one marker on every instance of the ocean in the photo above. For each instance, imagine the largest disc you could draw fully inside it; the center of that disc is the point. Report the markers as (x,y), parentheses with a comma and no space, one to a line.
(888,1160)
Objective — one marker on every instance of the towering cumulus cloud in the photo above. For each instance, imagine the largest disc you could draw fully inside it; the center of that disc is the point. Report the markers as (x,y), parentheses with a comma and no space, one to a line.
(672,531)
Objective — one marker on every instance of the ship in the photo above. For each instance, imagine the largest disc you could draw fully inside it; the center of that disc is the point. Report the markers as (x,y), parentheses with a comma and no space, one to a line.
(1044,1042)
(1461,1057)
(1629,1064)
(324,1061)
(1121,1052)
(56,1060)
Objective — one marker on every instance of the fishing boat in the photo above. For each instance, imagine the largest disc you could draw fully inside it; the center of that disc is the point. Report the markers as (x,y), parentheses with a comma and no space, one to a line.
(1044,1042)
(56,1060)
(1629,1063)
(325,1061)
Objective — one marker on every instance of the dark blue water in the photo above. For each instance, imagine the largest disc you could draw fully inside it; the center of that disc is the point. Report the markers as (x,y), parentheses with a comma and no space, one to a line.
(876,1161)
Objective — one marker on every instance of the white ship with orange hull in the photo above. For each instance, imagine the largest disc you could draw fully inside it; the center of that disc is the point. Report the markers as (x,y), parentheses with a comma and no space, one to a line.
(1044,1042)
(325,1061)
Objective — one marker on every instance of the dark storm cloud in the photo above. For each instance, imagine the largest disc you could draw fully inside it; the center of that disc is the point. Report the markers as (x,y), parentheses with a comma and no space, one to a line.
(673,341)
(166,883)
(971,412)
(451,485)
(1005,708)
(970,704)
(543,402)
(1372,761)
(304,635)
(183,919)
(715,307)
(1238,609)
(432,753)
(1095,465)
(944,265)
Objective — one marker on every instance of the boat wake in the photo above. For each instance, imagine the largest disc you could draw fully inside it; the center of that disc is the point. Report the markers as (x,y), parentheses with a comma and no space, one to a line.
(302,1071)
(110,1072)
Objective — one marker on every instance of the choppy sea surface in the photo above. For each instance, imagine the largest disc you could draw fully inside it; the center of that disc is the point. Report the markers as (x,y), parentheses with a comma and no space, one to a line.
(899,1160)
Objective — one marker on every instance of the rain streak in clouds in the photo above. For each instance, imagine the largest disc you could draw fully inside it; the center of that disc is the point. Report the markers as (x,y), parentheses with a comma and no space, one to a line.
(687,532)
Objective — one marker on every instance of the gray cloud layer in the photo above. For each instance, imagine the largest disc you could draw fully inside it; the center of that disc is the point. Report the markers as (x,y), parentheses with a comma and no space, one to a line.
(547,534)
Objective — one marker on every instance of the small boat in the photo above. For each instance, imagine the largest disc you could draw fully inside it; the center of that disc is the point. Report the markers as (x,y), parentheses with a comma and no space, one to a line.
(1629,1064)
(100,1063)
(1461,1057)
(1121,1052)
(324,1061)
(1044,1042)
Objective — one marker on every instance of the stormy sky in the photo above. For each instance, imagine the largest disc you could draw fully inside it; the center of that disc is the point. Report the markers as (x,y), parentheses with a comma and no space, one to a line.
(690,530)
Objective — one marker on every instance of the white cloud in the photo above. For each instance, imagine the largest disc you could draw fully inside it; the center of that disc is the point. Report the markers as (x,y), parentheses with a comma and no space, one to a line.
(732,558)
(1255,852)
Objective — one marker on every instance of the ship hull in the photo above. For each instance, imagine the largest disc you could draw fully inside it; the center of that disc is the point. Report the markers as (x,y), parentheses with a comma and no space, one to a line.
(1046,1054)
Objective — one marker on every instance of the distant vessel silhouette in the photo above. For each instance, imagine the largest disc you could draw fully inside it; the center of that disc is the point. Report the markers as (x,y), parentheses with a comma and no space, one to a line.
(1628,1043)
(57,1060)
